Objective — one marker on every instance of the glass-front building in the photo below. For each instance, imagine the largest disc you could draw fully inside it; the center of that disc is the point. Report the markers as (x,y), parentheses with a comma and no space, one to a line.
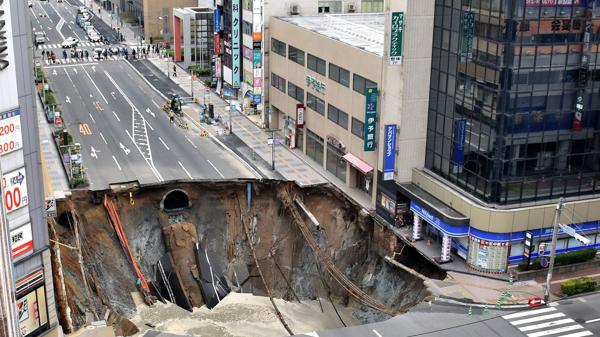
(514,99)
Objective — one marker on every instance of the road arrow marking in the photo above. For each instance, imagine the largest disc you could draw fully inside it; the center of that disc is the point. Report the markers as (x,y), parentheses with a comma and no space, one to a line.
(54,72)
(94,153)
(94,68)
(68,100)
(126,150)
(113,95)
(75,71)
(150,112)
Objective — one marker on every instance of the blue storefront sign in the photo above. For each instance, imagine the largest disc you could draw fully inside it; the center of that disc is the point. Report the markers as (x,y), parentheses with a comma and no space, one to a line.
(460,131)
(370,118)
(217,19)
(257,99)
(235,43)
(453,231)
(389,155)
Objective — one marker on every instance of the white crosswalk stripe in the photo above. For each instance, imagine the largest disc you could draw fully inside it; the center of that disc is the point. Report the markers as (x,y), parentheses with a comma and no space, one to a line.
(546,322)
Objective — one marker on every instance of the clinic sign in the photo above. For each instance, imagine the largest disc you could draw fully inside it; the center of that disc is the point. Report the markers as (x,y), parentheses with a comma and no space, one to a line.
(235,44)
(10,132)
(14,185)
(8,76)
(397,29)
(370,118)
(389,155)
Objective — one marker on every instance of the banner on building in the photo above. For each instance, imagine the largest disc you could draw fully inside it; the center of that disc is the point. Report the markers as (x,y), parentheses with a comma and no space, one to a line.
(389,155)
(217,19)
(235,44)
(466,54)
(10,132)
(396,35)
(15,190)
(9,97)
(460,132)
(370,119)
(299,116)
(21,241)
(257,20)
(553,3)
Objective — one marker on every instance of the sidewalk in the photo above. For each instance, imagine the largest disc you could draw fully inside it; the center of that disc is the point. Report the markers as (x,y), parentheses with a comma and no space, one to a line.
(293,165)
(56,184)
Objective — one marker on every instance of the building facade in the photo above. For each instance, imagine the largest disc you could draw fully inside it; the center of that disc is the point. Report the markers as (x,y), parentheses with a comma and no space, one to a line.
(22,188)
(193,40)
(512,126)
(251,66)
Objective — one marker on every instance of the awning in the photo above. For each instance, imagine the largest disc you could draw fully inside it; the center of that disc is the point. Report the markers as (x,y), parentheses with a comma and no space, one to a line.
(357,163)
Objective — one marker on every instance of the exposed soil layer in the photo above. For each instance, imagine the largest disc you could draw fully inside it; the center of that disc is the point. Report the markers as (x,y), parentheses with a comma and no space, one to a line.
(214,214)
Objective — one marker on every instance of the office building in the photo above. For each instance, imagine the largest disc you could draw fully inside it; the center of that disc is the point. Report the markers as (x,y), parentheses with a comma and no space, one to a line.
(193,40)
(23,201)
(512,127)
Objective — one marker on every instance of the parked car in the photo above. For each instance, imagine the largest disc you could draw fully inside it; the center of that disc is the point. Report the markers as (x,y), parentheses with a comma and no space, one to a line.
(70,42)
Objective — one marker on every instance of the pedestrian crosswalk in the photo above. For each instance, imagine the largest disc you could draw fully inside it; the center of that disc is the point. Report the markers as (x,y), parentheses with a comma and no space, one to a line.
(80,44)
(545,322)
(81,60)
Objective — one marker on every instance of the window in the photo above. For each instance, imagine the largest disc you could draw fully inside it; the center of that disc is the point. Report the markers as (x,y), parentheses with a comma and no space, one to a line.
(315,103)
(323,9)
(247,28)
(296,55)
(296,92)
(360,84)
(316,64)
(278,47)
(340,75)
(278,82)
(335,164)
(314,146)
(337,116)
(358,128)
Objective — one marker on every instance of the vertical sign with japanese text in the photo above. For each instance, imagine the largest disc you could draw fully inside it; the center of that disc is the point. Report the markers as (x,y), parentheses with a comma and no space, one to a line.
(235,44)
(370,118)
(467,36)
(397,29)
(389,152)
(9,98)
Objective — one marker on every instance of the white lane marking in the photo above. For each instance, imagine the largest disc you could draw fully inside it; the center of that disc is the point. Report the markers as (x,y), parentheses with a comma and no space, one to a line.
(68,65)
(163,143)
(555,331)
(103,139)
(116,162)
(150,126)
(216,169)
(92,117)
(94,83)
(186,171)
(59,26)
(150,112)
(578,334)
(194,145)
(593,320)
(156,104)
(546,325)
(117,117)
(537,319)
(312,334)
(528,313)
(377,333)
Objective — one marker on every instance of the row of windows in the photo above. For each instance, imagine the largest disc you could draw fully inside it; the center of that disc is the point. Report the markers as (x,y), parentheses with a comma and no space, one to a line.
(295,92)
(318,65)
(337,116)
(315,103)
(278,82)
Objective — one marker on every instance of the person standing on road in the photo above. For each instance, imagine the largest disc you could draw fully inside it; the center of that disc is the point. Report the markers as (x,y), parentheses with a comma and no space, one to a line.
(171,117)
(174,71)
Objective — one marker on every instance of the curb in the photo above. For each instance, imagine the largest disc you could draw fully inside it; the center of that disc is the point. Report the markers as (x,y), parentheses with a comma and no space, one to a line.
(468,303)
(212,136)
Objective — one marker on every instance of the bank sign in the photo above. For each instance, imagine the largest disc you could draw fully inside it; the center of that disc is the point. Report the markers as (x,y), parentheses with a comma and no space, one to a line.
(8,77)
(389,155)
(370,119)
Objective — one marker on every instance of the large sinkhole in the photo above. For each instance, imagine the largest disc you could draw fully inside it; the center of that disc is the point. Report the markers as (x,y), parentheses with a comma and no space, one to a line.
(175,200)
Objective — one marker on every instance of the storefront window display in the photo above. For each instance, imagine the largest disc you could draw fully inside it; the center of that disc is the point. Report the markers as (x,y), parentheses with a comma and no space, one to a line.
(488,256)
(31,304)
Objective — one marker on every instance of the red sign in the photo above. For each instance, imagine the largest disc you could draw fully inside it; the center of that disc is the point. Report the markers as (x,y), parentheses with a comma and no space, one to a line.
(21,241)
(217,44)
(535,302)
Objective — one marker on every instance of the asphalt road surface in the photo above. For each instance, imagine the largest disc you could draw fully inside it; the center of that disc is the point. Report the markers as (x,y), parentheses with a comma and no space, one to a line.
(577,317)
(117,118)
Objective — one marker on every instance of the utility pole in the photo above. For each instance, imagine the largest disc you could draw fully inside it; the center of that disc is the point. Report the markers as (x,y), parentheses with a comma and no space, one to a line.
(273,133)
(557,212)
